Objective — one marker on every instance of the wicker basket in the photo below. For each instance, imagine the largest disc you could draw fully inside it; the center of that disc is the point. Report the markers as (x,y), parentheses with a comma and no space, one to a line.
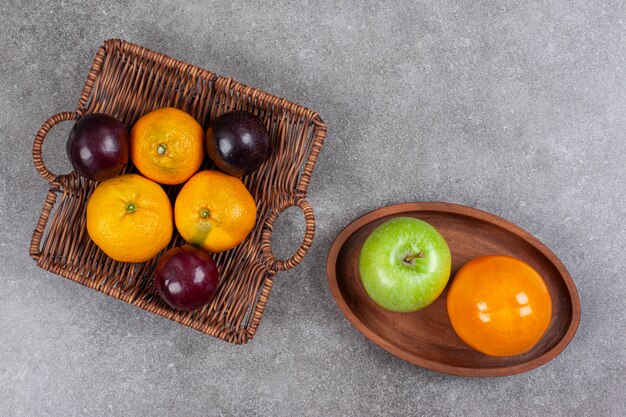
(127,81)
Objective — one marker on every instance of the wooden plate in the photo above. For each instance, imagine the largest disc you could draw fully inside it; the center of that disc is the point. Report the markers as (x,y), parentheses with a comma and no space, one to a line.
(426,337)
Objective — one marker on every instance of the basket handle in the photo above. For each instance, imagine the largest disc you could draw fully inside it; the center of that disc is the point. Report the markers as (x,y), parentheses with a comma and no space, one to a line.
(268,228)
(41,136)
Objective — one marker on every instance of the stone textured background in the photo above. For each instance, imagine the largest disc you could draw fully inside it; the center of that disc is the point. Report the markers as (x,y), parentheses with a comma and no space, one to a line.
(513,107)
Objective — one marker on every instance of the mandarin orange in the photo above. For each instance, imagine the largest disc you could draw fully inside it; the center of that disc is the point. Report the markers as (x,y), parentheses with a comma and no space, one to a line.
(499,305)
(129,217)
(167,145)
(215,211)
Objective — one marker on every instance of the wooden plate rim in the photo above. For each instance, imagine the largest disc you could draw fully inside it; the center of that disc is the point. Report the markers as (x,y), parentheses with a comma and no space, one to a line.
(468,212)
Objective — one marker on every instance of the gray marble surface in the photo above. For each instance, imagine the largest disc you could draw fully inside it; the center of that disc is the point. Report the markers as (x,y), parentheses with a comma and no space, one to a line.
(513,107)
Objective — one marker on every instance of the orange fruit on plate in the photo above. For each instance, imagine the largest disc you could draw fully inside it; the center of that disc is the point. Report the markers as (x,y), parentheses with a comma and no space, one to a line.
(499,305)
(129,217)
(214,211)
(167,145)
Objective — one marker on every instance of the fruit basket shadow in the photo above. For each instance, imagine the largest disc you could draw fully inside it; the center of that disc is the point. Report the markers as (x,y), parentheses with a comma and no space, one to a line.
(127,81)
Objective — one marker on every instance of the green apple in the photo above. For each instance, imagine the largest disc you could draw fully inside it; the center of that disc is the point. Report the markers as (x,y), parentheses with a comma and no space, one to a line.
(404,264)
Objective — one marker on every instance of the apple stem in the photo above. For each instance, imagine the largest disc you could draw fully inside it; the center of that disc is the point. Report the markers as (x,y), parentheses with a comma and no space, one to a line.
(410,258)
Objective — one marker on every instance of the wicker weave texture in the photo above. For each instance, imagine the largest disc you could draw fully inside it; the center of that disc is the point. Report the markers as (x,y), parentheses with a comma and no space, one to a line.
(127,81)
